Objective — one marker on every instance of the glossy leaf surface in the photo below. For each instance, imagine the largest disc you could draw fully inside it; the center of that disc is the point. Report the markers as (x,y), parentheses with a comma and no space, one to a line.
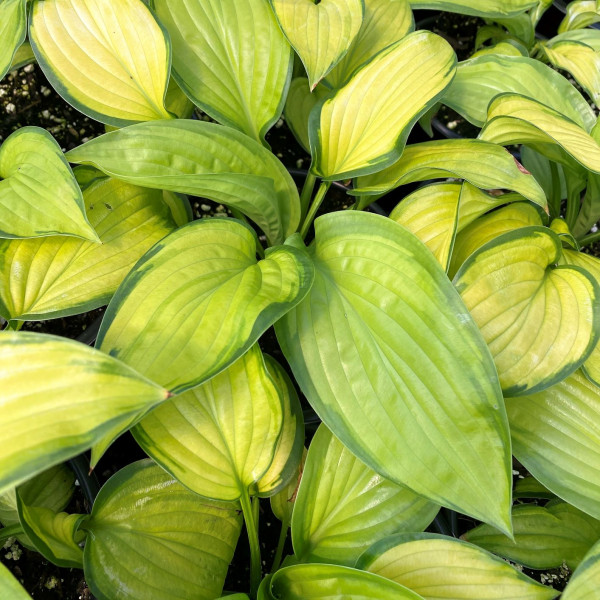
(585,582)
(515,119)
(545,537)
(219,438)
(38,193)
(163,541)
(329,582)
(343,506)
(367,349)
(59,276)
(440,567)
(209,300)
(230,58)
(384,23)
(93,56)
(364,126)
(483,165)
(13,28)
(540,322)
(321,33)
(556,436)
(45,375)
(479,80)
(201,159)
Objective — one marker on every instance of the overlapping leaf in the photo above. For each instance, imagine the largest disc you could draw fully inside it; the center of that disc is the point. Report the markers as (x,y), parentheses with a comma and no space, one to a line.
(58,398)
(544,537)
(230,58)
(198,301)
(364,126)
(540,321)
(111,60)
(13,29)
(219,438)
(580,14)
(585,582)
(58,276)
(481,8)
(164,541)
(10,587)
(384,23)
(514,119)
(368,347)
(440,567)
(201,159)
(479,80)
(556,436)
(38,193)
(484,165)
(343,506)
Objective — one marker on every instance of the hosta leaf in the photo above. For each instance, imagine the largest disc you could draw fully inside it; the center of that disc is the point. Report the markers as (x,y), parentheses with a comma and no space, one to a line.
(290,446)
(110,60)
(479,80)
(343,506)
(556,435)
(10,587)
(585,582)
(76,393)
(321,32)
(38,193)
(544,537)
(514,119)
(591,264)
(300,101)
(530,487)
(23,56)
(209,300)
(384,23)
(58,276)
(363,127)
(54,535)
(444,568)
(201,159)
(330,582)
(582,61)
(13,29)
(580,14)
(489,227)
(219,438)
(481,8)
(590,37)
(282,503)
(484,165)
(366,347)
(506,48)
(230,58)
(166,542)
(540,321)
(475,202)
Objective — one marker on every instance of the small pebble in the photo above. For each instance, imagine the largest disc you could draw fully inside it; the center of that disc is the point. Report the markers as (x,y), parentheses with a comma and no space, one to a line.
(10,108)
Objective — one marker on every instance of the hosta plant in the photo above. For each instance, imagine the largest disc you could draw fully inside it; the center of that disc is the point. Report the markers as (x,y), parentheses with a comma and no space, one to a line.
(432,344)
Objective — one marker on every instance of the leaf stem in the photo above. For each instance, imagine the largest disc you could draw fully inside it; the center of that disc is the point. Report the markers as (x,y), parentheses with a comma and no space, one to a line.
(573,206)
(307,191)
(10,531)
(285,525)
(312,211)
(252,529)
(15,325)
(590,238)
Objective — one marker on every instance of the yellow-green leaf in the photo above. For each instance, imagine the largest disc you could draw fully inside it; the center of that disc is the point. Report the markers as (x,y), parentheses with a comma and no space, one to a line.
(45,416)
(199,300)
(556,436)
(58,276)
(580,14)
(230,58)
(585,582)
(488,227)
(514,119)
(10,587)
(540,321)
(13,29)
(444,568)
(110,60)
(363,127)
(38,193)
(321,32)
(343,506)
(481,8)
(218,439)
(384,23)
(23,56)
(484,165)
